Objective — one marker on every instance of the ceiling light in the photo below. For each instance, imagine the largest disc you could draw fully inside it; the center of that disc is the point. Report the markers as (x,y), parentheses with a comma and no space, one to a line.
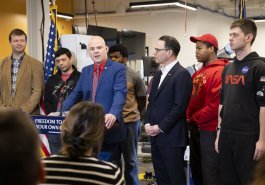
(186,6)
(262,20)
(259,19)
(161,3)
(64,15)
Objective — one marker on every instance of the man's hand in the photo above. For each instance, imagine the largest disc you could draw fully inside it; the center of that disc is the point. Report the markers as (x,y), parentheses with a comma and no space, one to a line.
(217,141)
(259,151)
(54,114)
(152,130)
(109,120)
(148,129)
(65,113)
(156,130)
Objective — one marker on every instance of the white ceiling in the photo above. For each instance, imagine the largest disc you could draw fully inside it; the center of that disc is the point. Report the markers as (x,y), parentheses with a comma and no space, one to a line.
(225,7)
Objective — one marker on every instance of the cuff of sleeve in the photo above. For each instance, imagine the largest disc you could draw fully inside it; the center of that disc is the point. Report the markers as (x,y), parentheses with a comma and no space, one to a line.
(261,102)
(161,131)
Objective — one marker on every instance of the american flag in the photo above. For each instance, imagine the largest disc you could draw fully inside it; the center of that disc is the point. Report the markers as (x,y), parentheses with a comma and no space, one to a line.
(52,45)
(242,9)
(49,70)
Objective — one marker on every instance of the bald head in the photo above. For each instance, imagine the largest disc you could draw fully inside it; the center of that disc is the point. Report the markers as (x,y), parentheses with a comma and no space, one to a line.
(97,39)
(98,50)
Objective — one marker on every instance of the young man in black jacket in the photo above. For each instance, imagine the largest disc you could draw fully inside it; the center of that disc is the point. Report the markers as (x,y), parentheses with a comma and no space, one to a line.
(242,108)
(58,87)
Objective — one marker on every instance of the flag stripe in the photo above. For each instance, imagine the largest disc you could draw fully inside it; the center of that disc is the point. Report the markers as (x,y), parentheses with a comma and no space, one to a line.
(44,146)
(52,45)
(49,69)
(44,150)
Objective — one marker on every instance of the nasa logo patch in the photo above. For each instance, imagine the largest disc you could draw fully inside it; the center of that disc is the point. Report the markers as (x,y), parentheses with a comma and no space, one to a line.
(260,93)
(245,69)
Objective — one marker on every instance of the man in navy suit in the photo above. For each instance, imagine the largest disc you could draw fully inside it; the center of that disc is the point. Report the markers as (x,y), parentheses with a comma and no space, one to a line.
(104,83)
(165,121)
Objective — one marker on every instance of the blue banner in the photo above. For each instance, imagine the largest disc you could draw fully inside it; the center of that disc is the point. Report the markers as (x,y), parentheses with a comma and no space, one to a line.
(48,124)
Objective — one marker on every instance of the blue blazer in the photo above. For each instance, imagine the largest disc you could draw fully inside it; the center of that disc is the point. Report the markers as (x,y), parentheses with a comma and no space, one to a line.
(111,94)
(167,107)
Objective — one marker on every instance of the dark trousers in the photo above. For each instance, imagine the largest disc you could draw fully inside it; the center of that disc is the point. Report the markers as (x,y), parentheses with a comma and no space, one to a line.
(54,143)
(168,165)
(195,156)
(210,162)
(129,152)
(111,153)
(236,156)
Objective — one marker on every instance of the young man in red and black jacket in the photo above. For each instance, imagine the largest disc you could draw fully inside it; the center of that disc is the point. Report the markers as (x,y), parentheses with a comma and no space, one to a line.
(58,87)
(202,112)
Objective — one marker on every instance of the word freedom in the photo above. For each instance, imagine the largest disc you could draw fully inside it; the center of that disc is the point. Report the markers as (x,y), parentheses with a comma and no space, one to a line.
(48,124)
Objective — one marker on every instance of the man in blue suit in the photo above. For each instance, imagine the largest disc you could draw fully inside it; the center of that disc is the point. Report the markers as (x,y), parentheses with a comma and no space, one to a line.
(165,121)
(104,83)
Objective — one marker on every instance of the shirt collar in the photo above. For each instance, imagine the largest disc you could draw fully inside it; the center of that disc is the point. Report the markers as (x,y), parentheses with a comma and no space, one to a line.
(101,66)
(166,69)
(18,58)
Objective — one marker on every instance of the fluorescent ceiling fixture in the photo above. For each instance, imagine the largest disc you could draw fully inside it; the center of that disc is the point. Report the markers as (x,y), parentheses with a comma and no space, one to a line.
(160,3)
(261,20)
(152,5)
(64,15)
(186,6)
(258,19)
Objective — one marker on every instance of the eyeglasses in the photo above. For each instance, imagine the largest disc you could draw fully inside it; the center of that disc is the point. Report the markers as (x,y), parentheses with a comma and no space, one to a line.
(157,49)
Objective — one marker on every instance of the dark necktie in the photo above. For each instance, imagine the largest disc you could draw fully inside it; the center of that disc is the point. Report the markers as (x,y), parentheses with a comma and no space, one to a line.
(95,82)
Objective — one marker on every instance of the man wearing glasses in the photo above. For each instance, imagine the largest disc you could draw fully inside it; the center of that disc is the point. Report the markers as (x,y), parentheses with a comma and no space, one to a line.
(165,121)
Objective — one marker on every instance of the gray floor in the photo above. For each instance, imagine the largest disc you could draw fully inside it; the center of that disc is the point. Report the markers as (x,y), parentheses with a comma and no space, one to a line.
(144,164)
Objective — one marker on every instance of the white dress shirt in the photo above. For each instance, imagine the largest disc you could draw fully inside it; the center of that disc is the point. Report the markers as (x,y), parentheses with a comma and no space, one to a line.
(165,70)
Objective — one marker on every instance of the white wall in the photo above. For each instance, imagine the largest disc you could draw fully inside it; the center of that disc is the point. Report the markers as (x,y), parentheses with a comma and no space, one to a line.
(259,43)
(158,24)
(215,24)
(34,17)
(219,26)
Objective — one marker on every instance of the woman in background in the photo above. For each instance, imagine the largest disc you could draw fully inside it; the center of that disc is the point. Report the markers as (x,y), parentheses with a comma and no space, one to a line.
(82,135)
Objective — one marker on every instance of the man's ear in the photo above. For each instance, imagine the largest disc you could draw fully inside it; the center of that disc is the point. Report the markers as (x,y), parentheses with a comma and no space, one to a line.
(41,173)
(211,49)
(125,59)
(71,60)
(170,52)
(249,37)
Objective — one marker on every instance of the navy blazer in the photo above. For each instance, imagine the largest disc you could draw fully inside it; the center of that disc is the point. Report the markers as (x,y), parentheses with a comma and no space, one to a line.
(167,107)
(111,94)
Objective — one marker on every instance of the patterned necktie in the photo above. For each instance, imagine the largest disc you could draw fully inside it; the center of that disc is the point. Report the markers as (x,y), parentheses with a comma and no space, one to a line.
(95,82)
